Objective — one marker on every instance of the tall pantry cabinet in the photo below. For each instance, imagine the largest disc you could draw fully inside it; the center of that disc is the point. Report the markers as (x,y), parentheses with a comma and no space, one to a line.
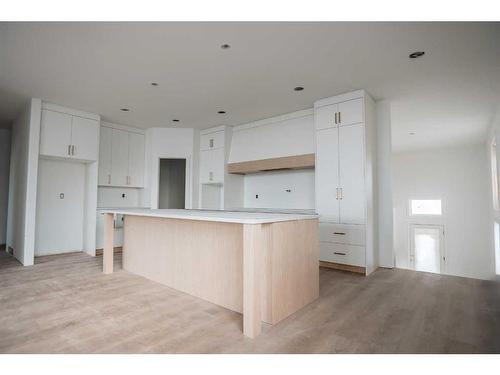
(345,198)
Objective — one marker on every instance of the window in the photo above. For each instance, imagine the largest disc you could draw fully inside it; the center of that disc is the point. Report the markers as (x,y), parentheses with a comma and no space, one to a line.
(494,173)
(425,207)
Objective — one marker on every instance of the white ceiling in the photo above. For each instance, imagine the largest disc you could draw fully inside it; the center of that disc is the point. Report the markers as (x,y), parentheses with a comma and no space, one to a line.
(448,96)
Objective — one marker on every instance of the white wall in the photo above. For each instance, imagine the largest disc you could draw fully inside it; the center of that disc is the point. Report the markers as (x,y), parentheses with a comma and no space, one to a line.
(59,221)
(384,179)
(167,143)
(5,138)
(458,176)
(271,188)
(23,181)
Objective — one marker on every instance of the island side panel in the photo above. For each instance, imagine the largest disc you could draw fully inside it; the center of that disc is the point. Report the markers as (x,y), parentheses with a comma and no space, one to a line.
(201,258)
(108,249)
(294,267)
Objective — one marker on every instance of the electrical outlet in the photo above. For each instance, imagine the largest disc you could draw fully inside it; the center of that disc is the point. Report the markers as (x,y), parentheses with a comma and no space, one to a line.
(123,195)
(256,196)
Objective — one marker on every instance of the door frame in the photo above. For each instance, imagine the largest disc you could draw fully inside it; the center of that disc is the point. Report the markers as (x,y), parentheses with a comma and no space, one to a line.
(411,245)
(187,189)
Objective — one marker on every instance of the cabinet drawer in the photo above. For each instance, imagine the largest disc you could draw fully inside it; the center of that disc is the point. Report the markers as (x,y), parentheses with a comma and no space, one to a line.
(212,141)
(342,253)
(342,233)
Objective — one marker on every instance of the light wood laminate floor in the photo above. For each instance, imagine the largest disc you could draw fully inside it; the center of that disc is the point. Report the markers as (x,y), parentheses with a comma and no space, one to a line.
(64,304)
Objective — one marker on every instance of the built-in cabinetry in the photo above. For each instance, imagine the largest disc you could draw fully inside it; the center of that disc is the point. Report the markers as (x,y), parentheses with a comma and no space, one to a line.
(218,189)
(345,149)
(121,157)
(65,135)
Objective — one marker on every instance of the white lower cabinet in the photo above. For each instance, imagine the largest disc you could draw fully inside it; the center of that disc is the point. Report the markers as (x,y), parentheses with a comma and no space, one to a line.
(343,253)
(341,233)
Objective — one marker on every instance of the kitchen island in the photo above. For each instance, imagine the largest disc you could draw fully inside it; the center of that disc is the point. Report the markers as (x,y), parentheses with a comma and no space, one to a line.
(263,265)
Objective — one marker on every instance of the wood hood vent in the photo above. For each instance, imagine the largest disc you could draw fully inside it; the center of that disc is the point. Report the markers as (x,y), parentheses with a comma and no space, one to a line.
(274,164)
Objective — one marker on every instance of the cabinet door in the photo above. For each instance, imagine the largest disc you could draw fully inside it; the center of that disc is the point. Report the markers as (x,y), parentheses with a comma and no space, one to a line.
(85,138)
(55,134)
(136,159)
(119,158)
(105,155)
(351,112)
(324,117)
(212,166)
(352,174)
(212,141)
(327,177)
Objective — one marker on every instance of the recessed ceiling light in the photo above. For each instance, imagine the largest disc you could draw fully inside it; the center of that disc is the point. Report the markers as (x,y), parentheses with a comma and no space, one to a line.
(175,120)
(298,88)
(225,46)
(221,112)
(411,133)
(416,55)
(124,109)
(155,84)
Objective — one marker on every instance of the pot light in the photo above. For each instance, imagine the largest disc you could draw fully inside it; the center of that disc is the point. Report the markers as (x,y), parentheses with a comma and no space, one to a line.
(411,133)
(225,46)
(155,84)
(416,55)
(124,109)
(298,88)
(175,120)
(221,112)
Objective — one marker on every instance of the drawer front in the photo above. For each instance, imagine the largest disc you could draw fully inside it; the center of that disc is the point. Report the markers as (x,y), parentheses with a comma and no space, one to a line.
(342,233)
(342,253)
(212,141)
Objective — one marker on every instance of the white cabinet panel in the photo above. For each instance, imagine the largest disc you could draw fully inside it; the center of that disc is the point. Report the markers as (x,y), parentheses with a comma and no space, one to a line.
(324,117)
(119,158)
(136,160)
(327,168)
(105,155)
(352,174)
(212,141)
(342,233)
(342,253)
(85,138)
(212,166)
(55,134)
(351,112)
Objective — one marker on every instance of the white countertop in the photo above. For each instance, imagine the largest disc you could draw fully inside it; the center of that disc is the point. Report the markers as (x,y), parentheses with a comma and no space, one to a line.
(207,215)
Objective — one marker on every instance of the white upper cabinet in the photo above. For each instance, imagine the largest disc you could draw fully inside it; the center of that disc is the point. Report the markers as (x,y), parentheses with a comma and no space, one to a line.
(352,174)
(68,136)
(55,134)
(105,137)
(212,141)
(327,175)
(136,159)
(350,112)
(121,158)
(326,117)
(85,138)
(212,166)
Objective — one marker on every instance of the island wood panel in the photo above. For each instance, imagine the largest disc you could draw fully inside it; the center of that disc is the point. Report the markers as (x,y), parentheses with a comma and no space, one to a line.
(201,258)
(286,162)
(294,268)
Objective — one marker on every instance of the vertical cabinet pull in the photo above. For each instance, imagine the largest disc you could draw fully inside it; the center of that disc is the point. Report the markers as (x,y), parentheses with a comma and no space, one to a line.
(69,149)
(341,194)
(339,118)
(211,143)
(72,149)
(337,194)
(109,178)
(210,176)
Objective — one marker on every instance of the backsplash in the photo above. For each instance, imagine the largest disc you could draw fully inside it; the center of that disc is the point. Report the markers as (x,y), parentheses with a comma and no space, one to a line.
(118,197)
(291,189)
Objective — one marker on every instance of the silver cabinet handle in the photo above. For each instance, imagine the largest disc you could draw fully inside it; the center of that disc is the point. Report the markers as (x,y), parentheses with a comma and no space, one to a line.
(336,118)
(339,253)
(341,194)
(109,178)
(210,176)
(69,149)
(340,233)
(339,118)
(73,149)
(337,194)
(211,143)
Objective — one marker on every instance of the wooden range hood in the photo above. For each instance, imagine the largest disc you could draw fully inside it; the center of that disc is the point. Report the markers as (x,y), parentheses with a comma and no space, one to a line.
(274,164)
